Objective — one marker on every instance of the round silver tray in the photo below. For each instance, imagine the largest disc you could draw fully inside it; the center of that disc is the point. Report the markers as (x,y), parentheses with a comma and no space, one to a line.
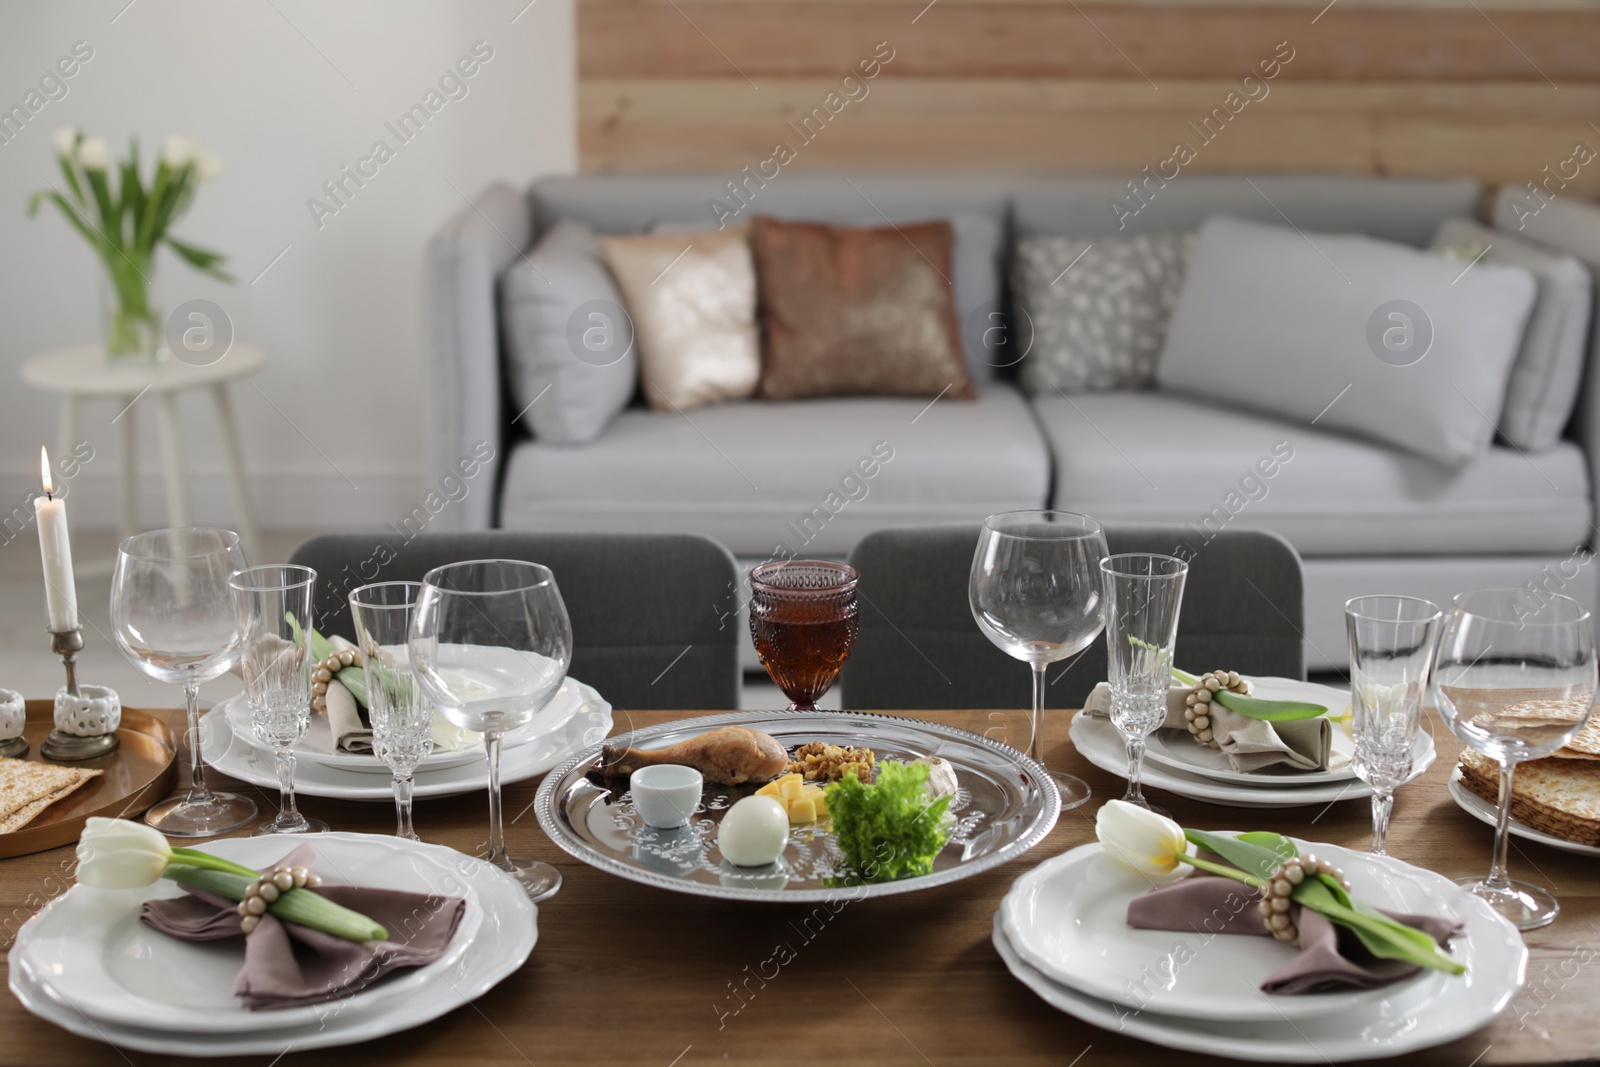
(1005,806)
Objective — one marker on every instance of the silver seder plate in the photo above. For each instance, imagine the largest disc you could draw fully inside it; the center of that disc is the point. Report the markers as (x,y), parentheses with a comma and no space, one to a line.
(1005,806)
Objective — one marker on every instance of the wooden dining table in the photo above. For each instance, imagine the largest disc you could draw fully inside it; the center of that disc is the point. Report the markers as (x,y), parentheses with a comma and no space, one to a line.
(630,974)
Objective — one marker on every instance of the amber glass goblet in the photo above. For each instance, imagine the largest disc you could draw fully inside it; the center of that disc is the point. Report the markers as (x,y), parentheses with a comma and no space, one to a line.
(803,618)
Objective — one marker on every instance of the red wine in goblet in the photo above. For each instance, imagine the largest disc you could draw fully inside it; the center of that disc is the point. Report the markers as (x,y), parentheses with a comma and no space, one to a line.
(803,618)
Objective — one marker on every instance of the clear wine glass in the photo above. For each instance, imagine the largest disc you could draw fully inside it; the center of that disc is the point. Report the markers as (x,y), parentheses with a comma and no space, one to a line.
(1392,642)
(402,718)
(273,606)
(1144,594)
(172,618)
(1516,681)
(490,645)
(1035,592)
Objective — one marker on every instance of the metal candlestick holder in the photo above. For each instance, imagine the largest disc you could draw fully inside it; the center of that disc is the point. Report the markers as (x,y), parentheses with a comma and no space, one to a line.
(61,744)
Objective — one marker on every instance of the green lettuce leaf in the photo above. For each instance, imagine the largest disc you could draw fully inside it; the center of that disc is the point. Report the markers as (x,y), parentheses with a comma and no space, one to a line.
(890,829)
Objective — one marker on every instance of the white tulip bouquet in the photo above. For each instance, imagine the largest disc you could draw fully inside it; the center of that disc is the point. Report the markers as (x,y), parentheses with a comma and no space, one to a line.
(125,221)
(118,854)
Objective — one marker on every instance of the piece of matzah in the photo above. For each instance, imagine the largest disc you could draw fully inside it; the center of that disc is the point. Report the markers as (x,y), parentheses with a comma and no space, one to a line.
(28,787)
(1556,797)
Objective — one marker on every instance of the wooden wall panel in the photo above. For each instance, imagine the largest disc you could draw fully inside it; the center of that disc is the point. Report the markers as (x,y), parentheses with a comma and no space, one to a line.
(1405,87)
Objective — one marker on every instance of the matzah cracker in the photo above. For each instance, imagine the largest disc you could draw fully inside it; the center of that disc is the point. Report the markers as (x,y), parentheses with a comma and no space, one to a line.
(28,787)
(1556,797)
(1586,743)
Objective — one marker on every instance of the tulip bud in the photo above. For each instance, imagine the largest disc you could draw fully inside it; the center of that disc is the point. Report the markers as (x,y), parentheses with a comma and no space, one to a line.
(1141,839)
(118,854)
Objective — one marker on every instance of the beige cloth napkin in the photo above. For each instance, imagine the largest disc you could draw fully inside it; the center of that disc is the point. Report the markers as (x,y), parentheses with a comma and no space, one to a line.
(349,733)
(1251,745)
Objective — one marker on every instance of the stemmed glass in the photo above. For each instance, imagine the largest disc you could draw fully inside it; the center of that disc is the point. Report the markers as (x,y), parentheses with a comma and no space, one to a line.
(490,645)
(1516,681)
(1035,592)
(171,617)
(1144,594)
(803,619)
(1391,654)
(273,607)
(402,719)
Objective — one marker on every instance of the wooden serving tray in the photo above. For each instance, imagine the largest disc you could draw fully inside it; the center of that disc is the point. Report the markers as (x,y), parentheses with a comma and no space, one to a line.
(142,770)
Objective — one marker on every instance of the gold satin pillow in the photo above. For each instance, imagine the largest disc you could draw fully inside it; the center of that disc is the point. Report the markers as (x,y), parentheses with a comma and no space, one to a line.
(692,299)
(852,311)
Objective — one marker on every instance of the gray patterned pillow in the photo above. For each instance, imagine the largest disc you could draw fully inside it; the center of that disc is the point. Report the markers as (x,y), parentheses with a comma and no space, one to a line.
(1099,308)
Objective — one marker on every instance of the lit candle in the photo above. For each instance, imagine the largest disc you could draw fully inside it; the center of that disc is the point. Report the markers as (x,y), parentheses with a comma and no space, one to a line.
(60,593)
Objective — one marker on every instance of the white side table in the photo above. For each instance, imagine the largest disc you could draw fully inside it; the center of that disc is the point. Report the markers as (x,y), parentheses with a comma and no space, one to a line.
(81,374)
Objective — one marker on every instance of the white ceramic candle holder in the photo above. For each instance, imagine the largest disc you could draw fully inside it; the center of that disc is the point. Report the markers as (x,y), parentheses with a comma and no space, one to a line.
(94,710)
(13,717)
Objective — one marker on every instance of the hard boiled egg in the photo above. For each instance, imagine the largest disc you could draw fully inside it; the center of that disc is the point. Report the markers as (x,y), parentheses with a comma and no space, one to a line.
(754,832)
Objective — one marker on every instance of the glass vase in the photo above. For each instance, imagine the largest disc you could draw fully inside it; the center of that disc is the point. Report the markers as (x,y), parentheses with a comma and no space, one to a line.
(129,324)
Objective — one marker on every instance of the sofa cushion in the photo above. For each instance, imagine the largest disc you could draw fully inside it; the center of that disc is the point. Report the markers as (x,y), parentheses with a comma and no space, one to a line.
(1152,457)
(809,476)
(1350,332)
(1544,379)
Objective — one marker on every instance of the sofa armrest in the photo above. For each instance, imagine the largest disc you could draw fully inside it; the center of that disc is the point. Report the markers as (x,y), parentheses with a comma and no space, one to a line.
(463,260)
(1571,226)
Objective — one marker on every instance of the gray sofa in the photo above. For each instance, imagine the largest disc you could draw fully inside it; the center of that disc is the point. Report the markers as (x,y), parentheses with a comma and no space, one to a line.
(754,475)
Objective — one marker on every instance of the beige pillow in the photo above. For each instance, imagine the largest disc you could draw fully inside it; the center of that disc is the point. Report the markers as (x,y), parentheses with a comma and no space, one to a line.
(692,298)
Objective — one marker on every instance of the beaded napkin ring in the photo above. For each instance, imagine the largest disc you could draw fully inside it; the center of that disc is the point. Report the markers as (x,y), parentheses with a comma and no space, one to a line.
(323,676)
(1277,893)
(268,888)
(1197,704)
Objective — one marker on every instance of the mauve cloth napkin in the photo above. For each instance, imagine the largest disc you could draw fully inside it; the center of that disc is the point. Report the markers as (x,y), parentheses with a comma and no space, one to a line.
(287,965)
(1330,959)
(1250,744)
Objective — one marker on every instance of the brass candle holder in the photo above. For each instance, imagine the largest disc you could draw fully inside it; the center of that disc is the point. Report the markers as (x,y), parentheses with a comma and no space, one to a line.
(87,707)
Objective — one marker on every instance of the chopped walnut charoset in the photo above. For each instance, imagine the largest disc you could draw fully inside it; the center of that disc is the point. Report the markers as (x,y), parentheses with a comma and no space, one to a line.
(820,762)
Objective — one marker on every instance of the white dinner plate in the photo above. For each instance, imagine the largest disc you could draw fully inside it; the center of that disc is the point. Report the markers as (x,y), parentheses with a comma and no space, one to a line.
(1102,746)
(1178,749)
(504,938)
(1485,812)
(1068,918)
(316,747)
(1389,1028)
(233,757)
(91,945)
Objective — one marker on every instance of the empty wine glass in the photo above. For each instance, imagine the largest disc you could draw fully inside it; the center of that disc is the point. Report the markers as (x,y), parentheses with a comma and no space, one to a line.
(803,619)
(172,618)
(402,718)
(1035,592)
(1391,654)
(1144,594)
(273,607)
(1516,681)
(490,644)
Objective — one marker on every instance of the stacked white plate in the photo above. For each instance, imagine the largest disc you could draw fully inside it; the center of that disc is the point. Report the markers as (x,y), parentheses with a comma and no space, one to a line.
(575,718)
(1062,932)
(87,964)
(1175,763)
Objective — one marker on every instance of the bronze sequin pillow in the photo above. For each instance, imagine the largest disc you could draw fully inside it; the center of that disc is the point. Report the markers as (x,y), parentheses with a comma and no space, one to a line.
(850,311)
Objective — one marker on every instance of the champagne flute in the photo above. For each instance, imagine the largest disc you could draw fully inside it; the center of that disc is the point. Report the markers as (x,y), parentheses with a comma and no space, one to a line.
(1516,681)
(273,606)
(1035,592)
(402,718)
(1391,654)
(172,619)
(1144,593)
(490,645)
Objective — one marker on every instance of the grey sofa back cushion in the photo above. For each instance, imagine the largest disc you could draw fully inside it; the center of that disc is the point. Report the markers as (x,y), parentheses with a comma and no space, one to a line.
(1398,209)
(976,208)
(1347,332)
(570,353)
(1544,380)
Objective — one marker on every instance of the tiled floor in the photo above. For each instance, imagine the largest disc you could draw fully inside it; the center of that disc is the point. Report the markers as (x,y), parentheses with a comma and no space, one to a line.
(27,666)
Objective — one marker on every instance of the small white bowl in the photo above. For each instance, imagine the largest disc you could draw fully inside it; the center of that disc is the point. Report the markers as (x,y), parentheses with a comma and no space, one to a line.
(666,796)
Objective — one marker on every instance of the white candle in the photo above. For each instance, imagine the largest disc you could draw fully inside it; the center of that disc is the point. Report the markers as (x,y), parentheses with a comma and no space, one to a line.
(60,592)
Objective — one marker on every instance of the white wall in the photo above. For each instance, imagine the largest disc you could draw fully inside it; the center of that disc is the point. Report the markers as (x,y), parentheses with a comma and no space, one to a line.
(285,92)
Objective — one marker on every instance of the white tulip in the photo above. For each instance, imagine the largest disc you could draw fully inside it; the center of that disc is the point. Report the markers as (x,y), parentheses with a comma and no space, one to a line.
(178,152)
(209,166)
(118,854)
(1141,839)
(94,154)
(66,142)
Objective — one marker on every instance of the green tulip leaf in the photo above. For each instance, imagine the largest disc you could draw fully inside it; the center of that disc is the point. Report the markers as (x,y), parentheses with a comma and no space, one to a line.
(1384,937)
(1249,856)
